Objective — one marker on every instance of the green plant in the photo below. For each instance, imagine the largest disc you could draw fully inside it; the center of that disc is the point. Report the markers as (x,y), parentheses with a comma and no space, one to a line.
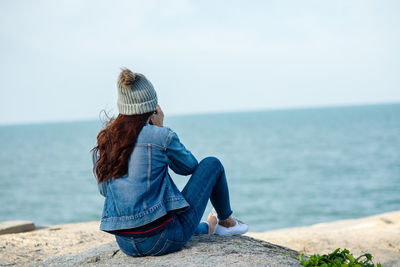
(338,259)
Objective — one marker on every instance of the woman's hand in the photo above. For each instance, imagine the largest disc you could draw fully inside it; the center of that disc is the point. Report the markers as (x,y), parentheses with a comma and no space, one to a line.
(158,117)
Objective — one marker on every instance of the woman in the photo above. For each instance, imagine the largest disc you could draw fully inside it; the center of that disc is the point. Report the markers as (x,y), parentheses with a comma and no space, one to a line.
(143,208)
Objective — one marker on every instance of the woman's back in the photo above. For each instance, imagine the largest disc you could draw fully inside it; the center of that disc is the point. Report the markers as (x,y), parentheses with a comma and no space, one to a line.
(147,192)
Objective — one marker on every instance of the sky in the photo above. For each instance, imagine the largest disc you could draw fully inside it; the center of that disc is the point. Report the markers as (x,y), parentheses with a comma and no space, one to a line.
(59,60)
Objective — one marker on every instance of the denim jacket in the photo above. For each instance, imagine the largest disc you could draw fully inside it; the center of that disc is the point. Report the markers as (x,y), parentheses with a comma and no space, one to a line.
(147,192)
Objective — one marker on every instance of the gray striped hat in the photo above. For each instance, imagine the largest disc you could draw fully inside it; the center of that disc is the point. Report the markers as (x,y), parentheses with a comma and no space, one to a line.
(136,94)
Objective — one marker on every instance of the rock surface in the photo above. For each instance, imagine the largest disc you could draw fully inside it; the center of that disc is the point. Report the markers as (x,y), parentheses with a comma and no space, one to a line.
(10,227)
(378,235)
(24,249)
(85,244)
(201,250)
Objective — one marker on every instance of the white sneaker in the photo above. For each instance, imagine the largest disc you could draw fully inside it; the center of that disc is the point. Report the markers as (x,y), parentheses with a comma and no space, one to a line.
(238,229)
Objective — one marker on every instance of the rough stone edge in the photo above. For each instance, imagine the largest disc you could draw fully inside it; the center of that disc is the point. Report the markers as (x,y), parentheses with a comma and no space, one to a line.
(15,227)
(96,255)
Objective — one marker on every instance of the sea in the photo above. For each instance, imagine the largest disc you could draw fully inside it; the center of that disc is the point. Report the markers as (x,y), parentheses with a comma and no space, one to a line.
(285,168)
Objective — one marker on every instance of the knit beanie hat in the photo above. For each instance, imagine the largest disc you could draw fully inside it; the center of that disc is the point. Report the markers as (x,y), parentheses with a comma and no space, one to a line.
(136,94)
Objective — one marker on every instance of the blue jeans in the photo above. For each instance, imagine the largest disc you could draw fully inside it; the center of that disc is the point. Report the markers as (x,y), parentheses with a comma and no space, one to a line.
(208,181)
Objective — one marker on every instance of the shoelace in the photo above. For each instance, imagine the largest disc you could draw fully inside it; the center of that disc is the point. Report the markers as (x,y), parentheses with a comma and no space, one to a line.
(239,221)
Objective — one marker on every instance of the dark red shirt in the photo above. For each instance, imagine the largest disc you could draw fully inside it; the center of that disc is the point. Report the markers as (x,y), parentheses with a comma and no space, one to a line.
(147,229)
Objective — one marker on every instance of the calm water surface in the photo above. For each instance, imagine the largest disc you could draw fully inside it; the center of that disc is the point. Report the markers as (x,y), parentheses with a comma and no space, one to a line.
(285,168)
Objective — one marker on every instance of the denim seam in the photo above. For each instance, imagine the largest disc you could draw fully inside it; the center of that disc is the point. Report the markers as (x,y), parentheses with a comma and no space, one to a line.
(169,137)
(135,247)
(115,203)
(158,241)
(152,145)
(166,246)
(161,250)
(142,214)
(148,173)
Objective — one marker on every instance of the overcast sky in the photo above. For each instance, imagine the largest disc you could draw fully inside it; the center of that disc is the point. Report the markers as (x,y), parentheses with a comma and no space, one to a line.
(59,60)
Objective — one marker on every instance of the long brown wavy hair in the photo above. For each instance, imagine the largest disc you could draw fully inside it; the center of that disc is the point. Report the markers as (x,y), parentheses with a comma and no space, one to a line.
(115,144)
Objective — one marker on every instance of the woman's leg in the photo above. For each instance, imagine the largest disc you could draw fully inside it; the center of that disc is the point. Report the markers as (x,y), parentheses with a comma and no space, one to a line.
(207,182)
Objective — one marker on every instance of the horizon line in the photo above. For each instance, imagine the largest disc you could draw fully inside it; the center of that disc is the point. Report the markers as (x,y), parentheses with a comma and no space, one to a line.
(306,107)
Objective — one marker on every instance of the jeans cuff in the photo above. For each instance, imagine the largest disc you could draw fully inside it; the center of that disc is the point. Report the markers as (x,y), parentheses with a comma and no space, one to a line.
(202,228)
(225,217)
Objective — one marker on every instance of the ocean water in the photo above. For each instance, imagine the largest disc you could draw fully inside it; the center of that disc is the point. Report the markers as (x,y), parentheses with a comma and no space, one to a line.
(285,168)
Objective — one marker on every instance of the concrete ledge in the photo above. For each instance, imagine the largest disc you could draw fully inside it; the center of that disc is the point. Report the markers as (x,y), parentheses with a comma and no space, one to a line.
(12,227)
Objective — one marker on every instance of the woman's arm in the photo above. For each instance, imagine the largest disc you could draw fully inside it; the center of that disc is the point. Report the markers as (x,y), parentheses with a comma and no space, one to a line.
(180,160)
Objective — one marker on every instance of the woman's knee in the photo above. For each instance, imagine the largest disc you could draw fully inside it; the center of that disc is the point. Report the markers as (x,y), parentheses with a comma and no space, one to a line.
(212,162)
